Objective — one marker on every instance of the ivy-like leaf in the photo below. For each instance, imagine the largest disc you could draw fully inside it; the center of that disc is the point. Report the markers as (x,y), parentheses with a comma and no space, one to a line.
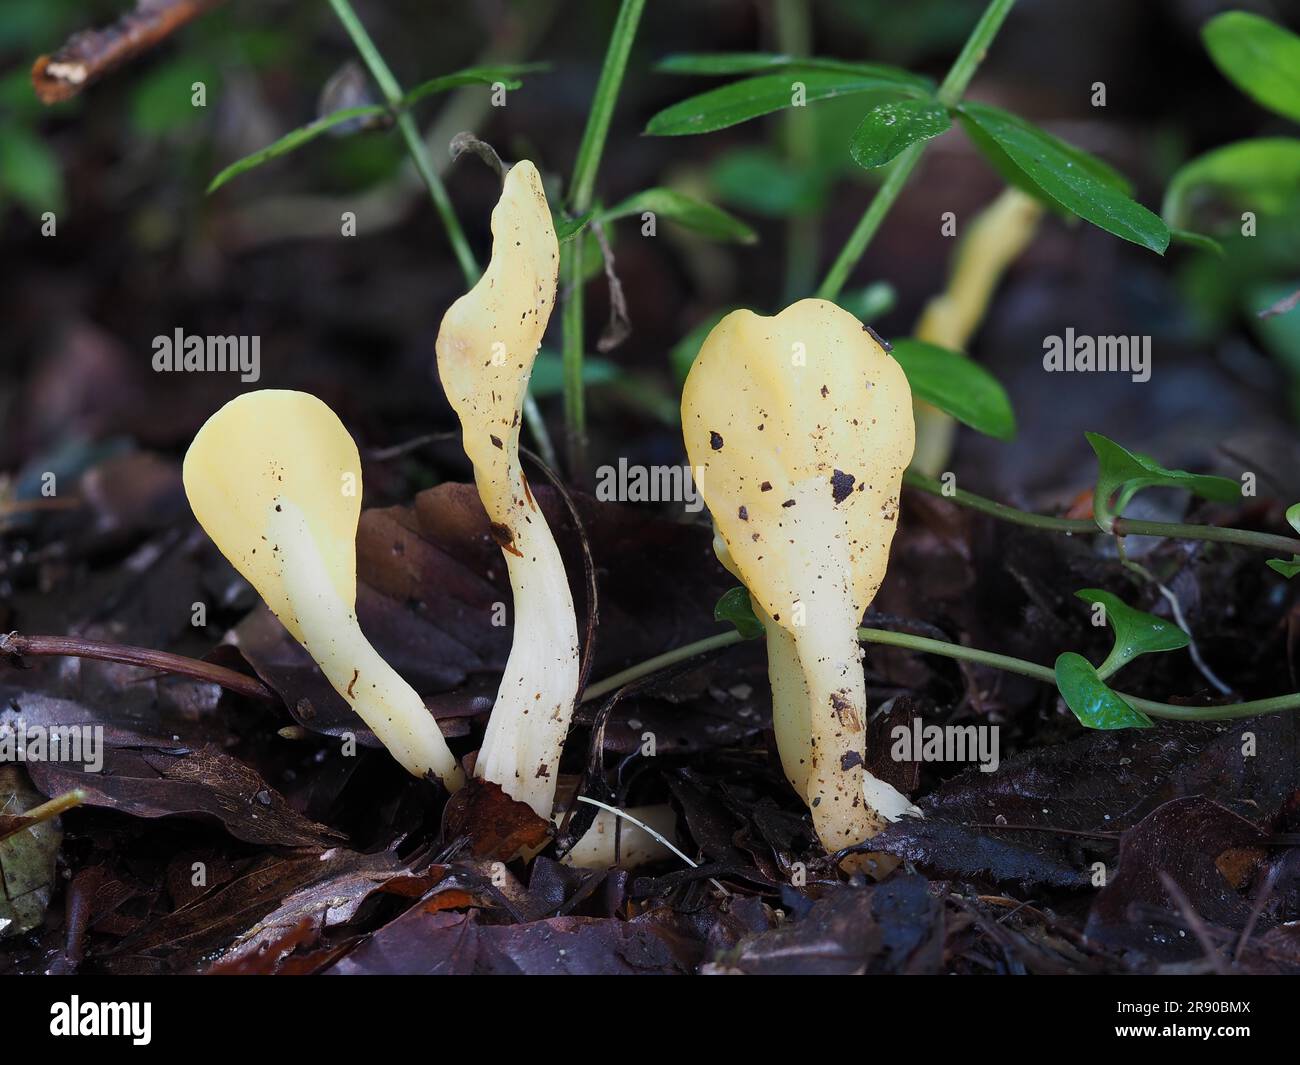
(957,386)
(1280,565)
(1122,473)
(291,141)
(1287,569)
(1136,632)
(892,127)
(1259,57)
(735,607)
(740,101)
(1071,178)
(1093,702)
(696,215)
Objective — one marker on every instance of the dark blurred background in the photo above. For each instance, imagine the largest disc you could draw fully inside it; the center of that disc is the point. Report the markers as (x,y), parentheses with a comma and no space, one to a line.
(142,251)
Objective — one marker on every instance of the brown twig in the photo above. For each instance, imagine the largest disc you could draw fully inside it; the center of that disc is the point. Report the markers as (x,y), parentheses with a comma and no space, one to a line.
(16,645)
(90,54)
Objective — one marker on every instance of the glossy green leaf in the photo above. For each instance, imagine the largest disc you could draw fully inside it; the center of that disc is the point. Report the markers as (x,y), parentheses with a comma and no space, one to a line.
(1136,632)
(291,141)
(735,607)
(1287,569)
(957,386)
(1259,57)
(890,128)
(1122,473)
(1071,178)
(732,63)
(1094,704)
(693,214)
(740,101)
(1261,175)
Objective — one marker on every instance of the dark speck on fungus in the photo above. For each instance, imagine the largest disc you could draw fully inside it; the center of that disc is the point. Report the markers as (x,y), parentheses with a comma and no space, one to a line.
(715,440)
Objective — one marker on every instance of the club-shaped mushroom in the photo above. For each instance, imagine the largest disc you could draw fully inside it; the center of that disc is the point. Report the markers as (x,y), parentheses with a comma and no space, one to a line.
(486,347)
(275,480)
(801,428)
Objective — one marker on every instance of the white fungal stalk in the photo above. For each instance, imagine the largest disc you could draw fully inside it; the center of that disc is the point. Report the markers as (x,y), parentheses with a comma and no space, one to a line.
(486,348)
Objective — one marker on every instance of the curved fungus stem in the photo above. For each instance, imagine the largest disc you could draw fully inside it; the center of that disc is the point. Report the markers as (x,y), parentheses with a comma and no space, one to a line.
(486,347)
(801,426)
(275,480)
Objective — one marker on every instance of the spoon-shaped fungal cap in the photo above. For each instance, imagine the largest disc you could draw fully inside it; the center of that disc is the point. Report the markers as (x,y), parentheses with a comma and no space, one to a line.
(486,347)
(274,478)
(800,426)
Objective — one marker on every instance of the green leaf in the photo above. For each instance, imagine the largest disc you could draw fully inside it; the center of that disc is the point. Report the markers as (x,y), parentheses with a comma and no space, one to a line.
(870,302)
(30,171)
(1287,569)
(1259,57)
(957,386)
(1093,703)
(507,75)
(762,182)
(1293,516)
(1069,177)
(1196,240)
(735,607)
(890,128)
(686,211)
(732,63)
(291,141)
(1122,472)
(568,228)
(1262,175)
(547,378)
(163,100)
(740,101)
(1136,632)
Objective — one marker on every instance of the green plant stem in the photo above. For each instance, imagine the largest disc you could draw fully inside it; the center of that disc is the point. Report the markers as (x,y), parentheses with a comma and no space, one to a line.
(411,135)
(950,94)
(583,185)
(962,653)
(581,192)
(799,136)
(1122,526)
